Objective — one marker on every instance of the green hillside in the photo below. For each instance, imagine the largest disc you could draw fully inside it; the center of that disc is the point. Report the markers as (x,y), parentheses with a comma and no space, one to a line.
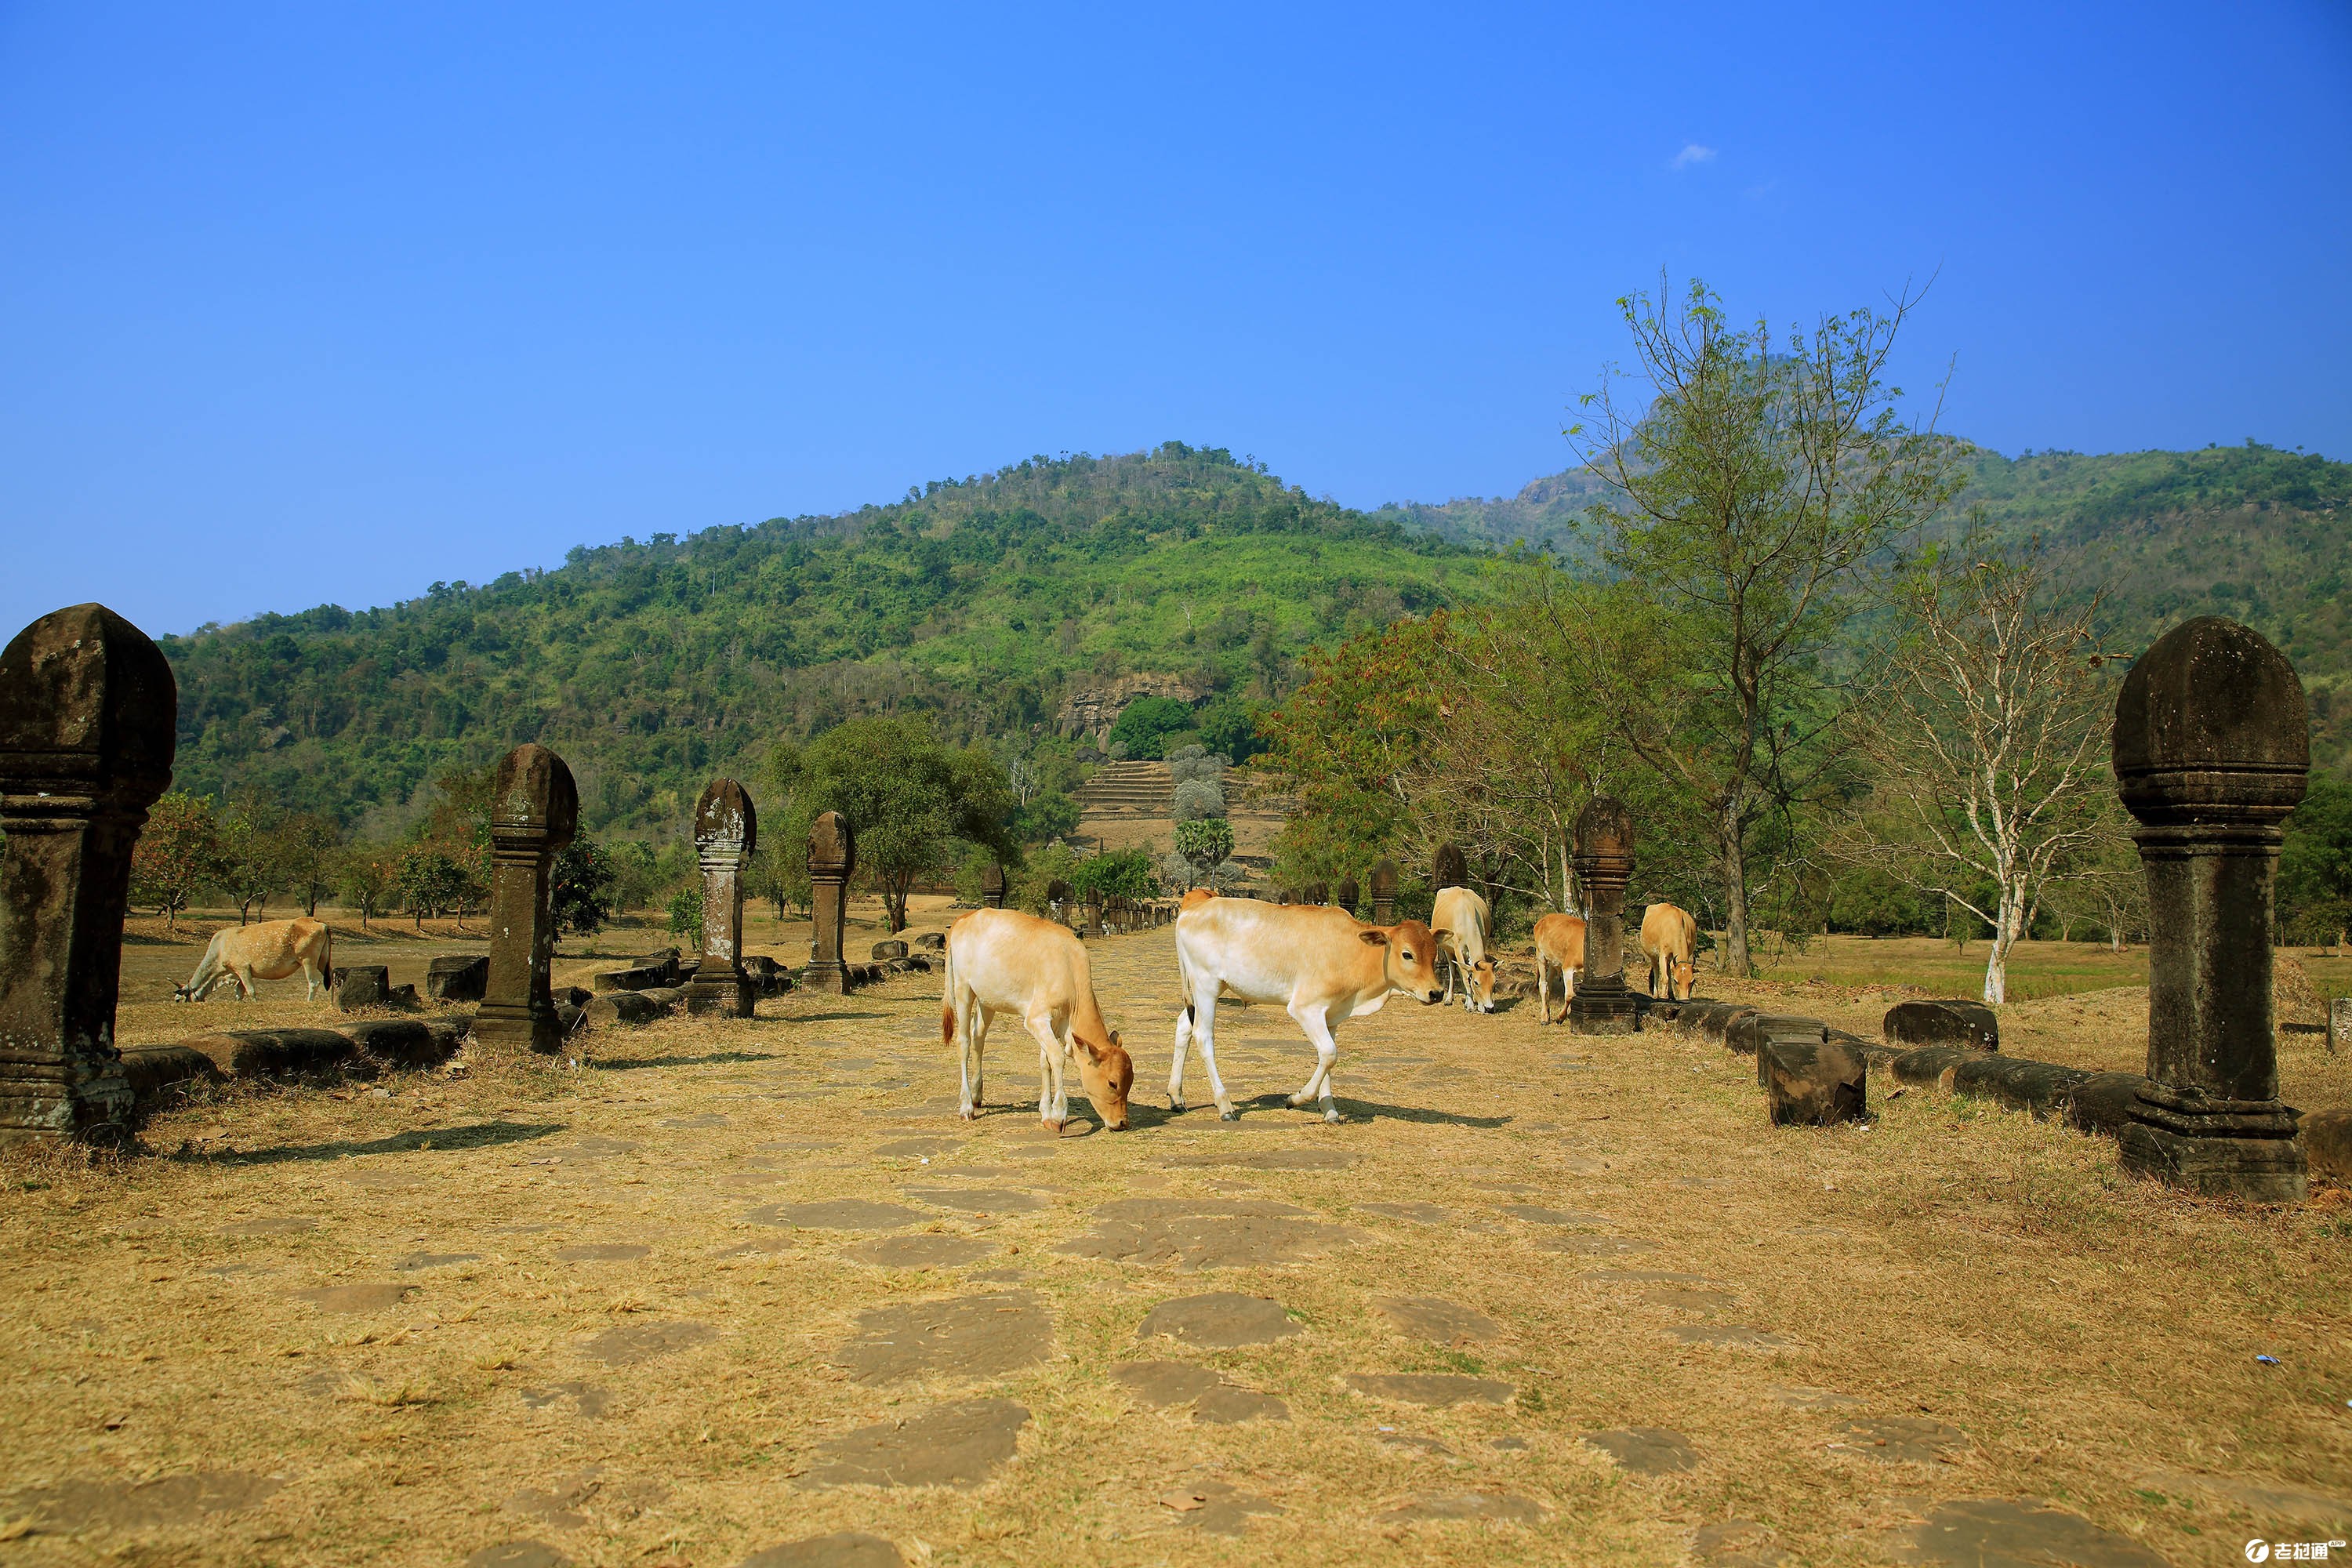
(2250,532)
(652,665)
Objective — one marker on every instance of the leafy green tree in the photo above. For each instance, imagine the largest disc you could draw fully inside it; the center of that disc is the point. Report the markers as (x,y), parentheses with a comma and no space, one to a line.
(1144,725)
(1227,724)
(307,844)
(1756,492)
(779,872)
(580,886)
(910,799)
(363,874)
(428,880)
(2315,864)
(1204,843)
(685,915)
(1126,874)
(177,855)
(251,864)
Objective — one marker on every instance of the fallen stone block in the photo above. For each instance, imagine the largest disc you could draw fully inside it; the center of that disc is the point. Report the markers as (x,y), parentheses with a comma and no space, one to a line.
(1749,1032)
(408,1042)
(1947,1022)
(636,977)
(617,1007)
(279,1053)
(2041,1087)
(2328,1142)
(361,985)
(1929,1065)
(459,977)
(568,1016)
(891,947)
(2102,1102)
(933,942)
(578,995)
(666,961)
(153,1071)
(1812,1083)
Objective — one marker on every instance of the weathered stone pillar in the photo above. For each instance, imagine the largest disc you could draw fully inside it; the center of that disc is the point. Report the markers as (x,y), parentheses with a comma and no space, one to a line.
(2213,747)
(1345,894)
(87,712)
(1604,859)
(992,885)
(1384,886)
(832,857)
(726,833)
(1450,869)
(1090,915)
(1315,893)
(534,812)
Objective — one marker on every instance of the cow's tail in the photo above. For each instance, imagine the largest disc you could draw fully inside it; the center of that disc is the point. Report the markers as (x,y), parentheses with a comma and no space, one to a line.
(327,958)
(946,997)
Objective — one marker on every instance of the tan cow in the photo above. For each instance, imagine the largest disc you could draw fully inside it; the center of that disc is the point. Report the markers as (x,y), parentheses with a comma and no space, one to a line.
(1670,942)
(1464,923)
(1321,963)
(1560,944)
(1002,961)
(267,950)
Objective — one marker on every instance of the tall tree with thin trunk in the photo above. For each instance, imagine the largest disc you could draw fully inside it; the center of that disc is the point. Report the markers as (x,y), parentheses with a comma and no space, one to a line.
(1990,738)
(1758,488)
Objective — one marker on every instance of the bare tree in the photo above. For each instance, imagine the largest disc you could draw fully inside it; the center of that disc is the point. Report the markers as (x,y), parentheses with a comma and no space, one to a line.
(1991,739)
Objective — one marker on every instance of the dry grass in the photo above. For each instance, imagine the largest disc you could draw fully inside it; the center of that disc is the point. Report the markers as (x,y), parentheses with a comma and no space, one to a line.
(1952,1262)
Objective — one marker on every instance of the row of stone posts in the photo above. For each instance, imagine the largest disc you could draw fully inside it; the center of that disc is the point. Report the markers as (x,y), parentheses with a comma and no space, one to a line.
(2211,752)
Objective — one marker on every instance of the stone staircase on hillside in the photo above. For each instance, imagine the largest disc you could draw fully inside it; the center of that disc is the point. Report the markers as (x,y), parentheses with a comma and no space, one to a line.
(1126,790)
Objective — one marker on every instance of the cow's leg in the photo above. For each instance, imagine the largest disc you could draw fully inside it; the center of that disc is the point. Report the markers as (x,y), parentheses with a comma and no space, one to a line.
(1543,989)
(1326,1051)
(243,978)
(1205,1035)
(967,1025)
(1052,1104)
(1176,1066)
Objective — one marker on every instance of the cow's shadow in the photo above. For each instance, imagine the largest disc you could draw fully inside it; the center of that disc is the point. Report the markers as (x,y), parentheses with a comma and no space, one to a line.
(439,1140)
(708,1058)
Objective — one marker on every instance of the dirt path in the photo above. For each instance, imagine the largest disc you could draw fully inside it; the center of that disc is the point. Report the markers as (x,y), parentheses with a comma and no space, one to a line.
(1541,1299)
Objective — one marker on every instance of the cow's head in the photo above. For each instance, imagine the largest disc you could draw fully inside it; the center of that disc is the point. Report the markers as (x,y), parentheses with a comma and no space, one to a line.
(1482,985)
(183,993)
(1409,961)
(1108,1074)
(1680,974)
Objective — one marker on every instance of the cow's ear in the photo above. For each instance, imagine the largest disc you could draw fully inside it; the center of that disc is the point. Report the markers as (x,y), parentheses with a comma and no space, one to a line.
(1117,1041)
(1374,938)
(1093,1053)
(1440,934)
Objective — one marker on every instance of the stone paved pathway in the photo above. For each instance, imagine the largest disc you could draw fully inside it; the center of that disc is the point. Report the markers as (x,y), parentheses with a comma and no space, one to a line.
(748,1292)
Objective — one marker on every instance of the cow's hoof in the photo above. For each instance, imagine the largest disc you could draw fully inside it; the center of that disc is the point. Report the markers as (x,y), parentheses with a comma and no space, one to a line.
(1176,1102)
(1333,1115)
(1229,1116)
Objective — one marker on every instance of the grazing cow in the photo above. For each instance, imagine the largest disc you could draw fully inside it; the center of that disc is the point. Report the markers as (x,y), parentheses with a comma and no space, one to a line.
(1560,944)
(1670,942)
(1464,923)
(1002,961)
(269,950)
(1321,963)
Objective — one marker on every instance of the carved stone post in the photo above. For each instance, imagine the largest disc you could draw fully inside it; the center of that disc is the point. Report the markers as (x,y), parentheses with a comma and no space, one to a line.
(1090,915)
(726,833)
(1315,893)
(992,885)
(1450,869)
(832,857)
(1605,859)
(534,812)
(1346,894)
(87,711)
(1384,886)
(2213,747)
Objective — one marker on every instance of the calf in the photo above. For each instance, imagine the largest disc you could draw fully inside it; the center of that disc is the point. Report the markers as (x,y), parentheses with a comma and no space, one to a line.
(1670,942)
(1560,944)
(1002,960)
(1322,965)
(1464,923)
(268,950)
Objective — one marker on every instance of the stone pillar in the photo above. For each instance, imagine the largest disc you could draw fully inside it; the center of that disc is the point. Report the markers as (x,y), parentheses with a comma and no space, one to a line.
(1315,893)
(991,885)
(726,833)
(1346,894)
(1384,886)
(1090,915)
(2339,1025)
(1604,859)
(832,857)
(534,812)
(1450,869)
(2212,746)
(88,715)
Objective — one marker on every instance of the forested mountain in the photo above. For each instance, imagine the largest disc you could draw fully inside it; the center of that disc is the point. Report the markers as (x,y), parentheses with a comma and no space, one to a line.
(2253,532)
(652,665)
(986,600)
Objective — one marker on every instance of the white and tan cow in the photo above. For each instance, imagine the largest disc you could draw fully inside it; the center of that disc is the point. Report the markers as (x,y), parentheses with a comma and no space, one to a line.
(1670,942)
(1464,926)
(267,950)
(1322,965)
(1559,945)
(1002,961)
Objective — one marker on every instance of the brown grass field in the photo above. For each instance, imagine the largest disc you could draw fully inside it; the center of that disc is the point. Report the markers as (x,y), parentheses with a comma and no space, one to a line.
(437,1318)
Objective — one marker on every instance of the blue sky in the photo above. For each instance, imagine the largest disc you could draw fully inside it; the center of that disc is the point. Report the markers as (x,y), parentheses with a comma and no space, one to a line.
(323,303)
